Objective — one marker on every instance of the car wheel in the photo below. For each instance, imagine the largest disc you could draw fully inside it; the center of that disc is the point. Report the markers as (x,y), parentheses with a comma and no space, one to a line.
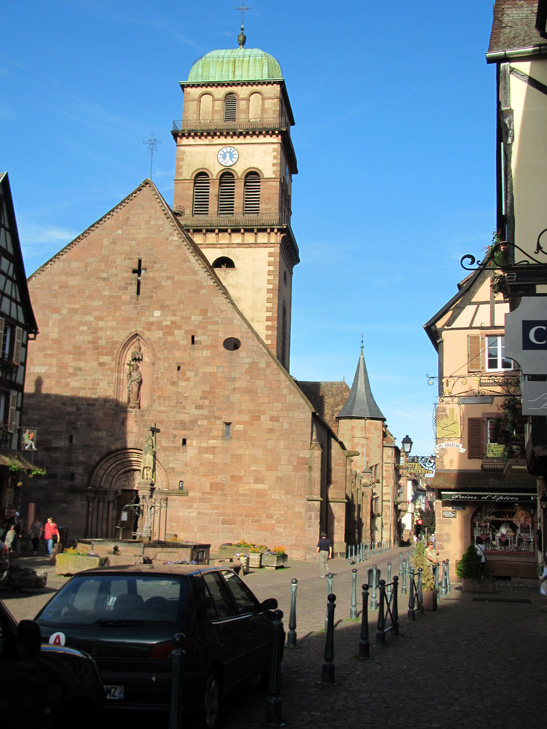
(210,707)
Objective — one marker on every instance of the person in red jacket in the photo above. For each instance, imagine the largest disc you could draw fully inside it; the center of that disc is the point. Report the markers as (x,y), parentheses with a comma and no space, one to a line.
(51,534)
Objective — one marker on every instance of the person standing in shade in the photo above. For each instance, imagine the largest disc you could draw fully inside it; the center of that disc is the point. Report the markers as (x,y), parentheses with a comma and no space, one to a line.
(36,530)
(51,535)
(323,553)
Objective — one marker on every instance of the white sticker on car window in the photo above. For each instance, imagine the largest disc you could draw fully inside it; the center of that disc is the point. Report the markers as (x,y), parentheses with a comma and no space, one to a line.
(57,639)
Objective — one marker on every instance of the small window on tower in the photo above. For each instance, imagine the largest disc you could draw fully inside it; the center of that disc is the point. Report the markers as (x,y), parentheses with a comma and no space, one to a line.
(226,194)
(223,262)
(227,430)
(251,194)
(201,194)
(230,107)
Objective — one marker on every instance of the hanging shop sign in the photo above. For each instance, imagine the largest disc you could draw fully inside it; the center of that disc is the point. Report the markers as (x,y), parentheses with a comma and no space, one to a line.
(534,398)
(526,335)
(451,444)
(479,496)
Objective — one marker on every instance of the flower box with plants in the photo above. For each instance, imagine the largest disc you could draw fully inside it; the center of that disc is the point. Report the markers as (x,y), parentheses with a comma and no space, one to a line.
(72,560)
(276,557)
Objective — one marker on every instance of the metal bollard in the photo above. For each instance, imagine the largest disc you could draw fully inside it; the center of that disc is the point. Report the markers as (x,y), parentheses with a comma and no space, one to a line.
(373,584)
(273,700)
(353,609)
(411,602)
(448,575)
(443,580)
(330,578)
(388,584)
(291,635)
(403,577)
(381,624)
(327,674)
(420,592)
(177,662)
(364,646)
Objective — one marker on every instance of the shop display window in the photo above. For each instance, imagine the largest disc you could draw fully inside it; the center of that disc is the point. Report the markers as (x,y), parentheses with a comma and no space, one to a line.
(504,527)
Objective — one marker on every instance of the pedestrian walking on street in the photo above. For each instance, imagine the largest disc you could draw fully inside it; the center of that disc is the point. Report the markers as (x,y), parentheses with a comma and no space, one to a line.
(51,535)
(323,553)
(10,538)
(36,530)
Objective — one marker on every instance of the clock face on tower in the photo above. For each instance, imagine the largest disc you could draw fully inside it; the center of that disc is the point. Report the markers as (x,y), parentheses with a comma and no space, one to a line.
(228,156)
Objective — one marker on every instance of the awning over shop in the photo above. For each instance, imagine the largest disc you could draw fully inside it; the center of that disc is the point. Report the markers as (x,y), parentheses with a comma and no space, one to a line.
(480,496)
(9,457)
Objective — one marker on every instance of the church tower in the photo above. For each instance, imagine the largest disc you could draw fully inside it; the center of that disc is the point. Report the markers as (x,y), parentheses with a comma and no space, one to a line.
(233,179)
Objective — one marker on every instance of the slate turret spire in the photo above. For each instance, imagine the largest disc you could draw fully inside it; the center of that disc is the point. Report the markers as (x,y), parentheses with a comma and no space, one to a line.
(360,402)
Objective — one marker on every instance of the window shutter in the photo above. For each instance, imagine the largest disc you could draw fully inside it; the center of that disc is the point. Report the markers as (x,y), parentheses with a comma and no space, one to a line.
(251,194)
(12,409)
(17,345)
(201,194)
(230,107)
(475,353)
(474,438)
(226,194)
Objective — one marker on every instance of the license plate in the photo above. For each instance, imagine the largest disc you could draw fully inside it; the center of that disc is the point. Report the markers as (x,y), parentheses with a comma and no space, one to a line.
(114,692)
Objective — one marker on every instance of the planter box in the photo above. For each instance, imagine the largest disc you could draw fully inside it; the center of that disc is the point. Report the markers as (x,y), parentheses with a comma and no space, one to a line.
(70,564)
(226,551)
(255,560)
(273,561)
(430,599)
(244,561)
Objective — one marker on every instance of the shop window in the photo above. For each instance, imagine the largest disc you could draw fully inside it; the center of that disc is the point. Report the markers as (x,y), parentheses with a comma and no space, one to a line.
(504,527)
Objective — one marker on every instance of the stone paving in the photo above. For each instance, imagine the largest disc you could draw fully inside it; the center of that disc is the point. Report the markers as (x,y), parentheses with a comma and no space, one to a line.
(478,661)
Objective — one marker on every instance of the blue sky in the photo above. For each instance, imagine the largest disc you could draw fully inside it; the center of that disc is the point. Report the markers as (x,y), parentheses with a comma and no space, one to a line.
(395,140)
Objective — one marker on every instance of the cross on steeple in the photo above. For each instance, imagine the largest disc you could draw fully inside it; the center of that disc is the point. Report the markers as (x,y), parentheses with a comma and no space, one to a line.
(139,272)
(152,143)
(243,9)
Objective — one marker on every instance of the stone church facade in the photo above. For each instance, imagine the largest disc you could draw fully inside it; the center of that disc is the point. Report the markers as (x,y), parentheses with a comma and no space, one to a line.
(159,382)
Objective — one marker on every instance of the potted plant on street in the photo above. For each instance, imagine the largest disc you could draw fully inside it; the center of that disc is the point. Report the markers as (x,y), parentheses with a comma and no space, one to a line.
(429,593)
(469,570)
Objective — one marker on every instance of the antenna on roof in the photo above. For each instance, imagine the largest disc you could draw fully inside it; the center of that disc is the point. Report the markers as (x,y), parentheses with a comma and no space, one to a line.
(243,8)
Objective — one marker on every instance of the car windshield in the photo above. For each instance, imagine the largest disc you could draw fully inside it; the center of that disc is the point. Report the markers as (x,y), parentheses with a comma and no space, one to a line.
(117,600)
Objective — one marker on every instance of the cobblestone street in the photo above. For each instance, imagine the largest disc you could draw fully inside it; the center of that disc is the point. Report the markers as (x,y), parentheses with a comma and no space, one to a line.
(477,660)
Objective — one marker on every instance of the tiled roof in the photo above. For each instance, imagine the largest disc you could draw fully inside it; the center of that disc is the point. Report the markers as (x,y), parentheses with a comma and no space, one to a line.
(327,398)
(514,26)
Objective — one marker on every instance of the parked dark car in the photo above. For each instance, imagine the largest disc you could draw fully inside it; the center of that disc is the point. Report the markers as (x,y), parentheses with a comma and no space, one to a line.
(126,618)
(45,686)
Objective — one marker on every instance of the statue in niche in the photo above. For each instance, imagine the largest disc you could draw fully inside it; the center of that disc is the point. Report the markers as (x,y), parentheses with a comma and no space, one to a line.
(148,466)
(134,377)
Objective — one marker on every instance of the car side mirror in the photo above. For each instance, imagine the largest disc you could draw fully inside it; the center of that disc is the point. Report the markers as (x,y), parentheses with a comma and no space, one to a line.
(29,639)
(269,604)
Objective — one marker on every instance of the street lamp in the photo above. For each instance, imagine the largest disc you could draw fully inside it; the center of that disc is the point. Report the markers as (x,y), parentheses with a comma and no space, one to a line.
(407,444)
(543,501)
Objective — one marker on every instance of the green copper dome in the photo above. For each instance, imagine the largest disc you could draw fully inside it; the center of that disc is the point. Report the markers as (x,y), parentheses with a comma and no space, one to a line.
(238,64)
